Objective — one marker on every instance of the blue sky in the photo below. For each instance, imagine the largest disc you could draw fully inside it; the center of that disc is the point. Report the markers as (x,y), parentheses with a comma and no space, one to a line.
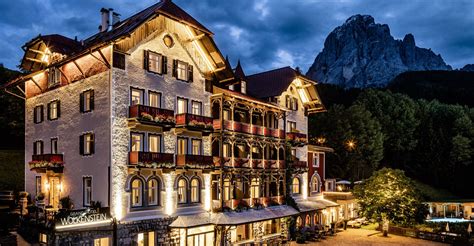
(263,34)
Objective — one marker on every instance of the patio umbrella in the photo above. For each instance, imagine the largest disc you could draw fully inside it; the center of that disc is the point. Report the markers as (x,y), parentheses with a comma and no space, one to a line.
(469,229)
(447,227)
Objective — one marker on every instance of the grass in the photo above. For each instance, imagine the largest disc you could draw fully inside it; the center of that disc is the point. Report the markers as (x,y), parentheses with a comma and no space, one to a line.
(371,226)
(12,170)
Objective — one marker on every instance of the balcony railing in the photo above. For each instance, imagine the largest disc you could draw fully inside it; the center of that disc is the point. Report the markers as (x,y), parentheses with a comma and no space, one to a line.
(248,163)
(195,122)
(47,162)
(297,138)
(248,129)
(152,116)
(151,158)
(300,164)
(194,161)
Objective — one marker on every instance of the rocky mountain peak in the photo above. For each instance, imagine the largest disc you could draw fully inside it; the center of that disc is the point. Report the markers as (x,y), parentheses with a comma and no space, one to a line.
(363,53)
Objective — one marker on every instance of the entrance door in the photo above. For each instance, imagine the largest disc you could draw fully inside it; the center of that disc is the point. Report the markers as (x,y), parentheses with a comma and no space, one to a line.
(54,191)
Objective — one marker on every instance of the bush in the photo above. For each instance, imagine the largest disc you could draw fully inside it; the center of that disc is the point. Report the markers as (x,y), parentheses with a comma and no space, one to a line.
(66,203)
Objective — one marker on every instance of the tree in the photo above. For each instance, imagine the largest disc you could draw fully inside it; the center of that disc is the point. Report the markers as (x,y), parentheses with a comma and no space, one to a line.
(389,193)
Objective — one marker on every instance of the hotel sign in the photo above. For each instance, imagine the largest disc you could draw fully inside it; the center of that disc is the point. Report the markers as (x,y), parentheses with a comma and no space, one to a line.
(88,216)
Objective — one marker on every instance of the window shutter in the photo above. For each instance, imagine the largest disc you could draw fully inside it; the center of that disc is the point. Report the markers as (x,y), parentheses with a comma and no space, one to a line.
(49,110)
(35,114)
(92,144)
(42,113)
(92,100)
(81,102)
(81,144)
(35,151)
(190,73)
(145,60)
(59,108)
(41,148)
(296,104)
(175,68)
(164,64)
(208,85)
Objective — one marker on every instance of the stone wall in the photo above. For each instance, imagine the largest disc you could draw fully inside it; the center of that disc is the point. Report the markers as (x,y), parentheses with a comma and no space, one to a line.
(127,232)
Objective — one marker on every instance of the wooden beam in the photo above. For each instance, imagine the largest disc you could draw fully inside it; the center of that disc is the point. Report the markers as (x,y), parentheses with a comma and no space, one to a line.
(106,64)
(37,51)
(34,60)
(34,81)
(61,71)
(13,94)
(198,37)
(79,68)
(103,57)
(22,91)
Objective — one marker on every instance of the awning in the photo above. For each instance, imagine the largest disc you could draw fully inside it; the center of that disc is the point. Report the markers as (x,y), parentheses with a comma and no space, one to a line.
(234,218)
(315,204)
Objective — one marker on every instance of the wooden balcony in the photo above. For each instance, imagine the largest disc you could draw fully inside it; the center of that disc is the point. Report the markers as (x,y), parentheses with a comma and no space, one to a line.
(141,115)
(296,138)
(300,164)
(194,161)
(151,159)
(193,122)
(248,129)
(47,162)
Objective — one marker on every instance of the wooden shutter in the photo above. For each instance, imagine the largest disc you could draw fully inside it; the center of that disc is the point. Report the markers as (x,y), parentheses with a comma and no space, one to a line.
(81,102)
(145,60)
(190,73)
(35,151)
(58,108)
(164,65)
(175,68)
(208,85)
(81,144)
(48,111)
(92,147)
(296,103)
(41,148)
(92,100)
(35,114)
(42,113)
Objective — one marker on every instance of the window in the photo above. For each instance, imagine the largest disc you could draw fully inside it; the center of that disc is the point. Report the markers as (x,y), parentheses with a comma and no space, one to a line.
(315,159)
(146,239)
(136,142)
(293,153)
(243,87)
(182,190)
(38,147)
(54,77)
(153,192)
(54,145)
(182,106)
(227,189)
(38,114)
(315,184)
(196,146)
(101,241)
(136,96)
(226,148)
(154,99)
(195,190)
(226,114)
(119,60)
(87,191)
(295,186)
(155,63)
(254,188)
(154,143)
(291,102)
(137,189)
(291,126)
(87,144)
(38,185)
(87,101)
(53,110)
(197,108)
(182,71)
(182,146)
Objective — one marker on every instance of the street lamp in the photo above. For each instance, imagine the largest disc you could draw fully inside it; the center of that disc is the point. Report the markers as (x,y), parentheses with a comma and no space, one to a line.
(351,144)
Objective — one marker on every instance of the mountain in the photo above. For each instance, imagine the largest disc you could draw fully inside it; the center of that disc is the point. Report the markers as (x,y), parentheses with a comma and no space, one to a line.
(362,53)
(468,68)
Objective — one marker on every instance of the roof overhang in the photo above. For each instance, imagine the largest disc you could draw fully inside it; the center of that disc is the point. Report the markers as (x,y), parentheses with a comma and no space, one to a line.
(320,148)
(308,94)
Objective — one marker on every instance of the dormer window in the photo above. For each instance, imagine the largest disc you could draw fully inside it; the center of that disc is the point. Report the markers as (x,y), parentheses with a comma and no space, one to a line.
(243,87)
(54,77)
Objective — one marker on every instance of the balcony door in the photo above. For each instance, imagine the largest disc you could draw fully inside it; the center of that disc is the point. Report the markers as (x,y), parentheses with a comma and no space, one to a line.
(182,106)
(182,147)
(54,192)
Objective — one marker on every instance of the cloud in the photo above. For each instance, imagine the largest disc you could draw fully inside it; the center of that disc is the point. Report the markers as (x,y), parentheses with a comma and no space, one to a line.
(263,34)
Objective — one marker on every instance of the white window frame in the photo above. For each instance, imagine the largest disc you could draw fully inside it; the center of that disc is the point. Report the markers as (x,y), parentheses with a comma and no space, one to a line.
(195,191)
(88,140)
(196,107)
(86,191)
(316,159)
(132,96)
(157,60)
(53,111)
(136,191)
(160,139)
(158,100)
(133,141)
(179,107)
(182,70)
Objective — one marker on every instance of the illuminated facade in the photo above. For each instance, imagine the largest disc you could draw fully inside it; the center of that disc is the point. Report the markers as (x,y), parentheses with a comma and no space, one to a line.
(148,118)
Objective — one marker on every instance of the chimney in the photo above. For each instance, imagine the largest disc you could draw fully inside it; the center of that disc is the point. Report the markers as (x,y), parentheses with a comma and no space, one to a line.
(115,18)
(105,24)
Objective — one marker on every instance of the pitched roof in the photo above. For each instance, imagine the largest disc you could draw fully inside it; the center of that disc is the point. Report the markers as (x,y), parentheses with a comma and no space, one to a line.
(239,71)
(164,7)
(58,43)
(270,83)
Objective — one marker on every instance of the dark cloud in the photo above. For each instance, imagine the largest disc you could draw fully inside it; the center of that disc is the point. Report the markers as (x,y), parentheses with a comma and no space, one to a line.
(263,34)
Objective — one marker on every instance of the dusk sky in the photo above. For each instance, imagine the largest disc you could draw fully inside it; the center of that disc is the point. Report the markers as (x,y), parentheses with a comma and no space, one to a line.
(263,34)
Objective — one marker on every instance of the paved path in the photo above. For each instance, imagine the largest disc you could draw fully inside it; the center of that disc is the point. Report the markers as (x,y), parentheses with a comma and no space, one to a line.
(355,237)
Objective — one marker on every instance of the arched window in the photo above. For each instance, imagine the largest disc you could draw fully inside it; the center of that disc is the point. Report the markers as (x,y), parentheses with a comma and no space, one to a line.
(296,186)
(315,184)
(137,192)
(153,192)
(182,190)
(308,220)
(299,222)
(195,188)
(255,188)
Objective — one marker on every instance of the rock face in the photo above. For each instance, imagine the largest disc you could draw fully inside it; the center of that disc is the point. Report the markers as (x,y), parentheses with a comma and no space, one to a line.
(468,68)
(362,53)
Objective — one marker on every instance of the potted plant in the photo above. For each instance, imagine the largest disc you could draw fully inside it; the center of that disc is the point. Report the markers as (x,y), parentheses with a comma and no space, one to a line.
(66,203)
